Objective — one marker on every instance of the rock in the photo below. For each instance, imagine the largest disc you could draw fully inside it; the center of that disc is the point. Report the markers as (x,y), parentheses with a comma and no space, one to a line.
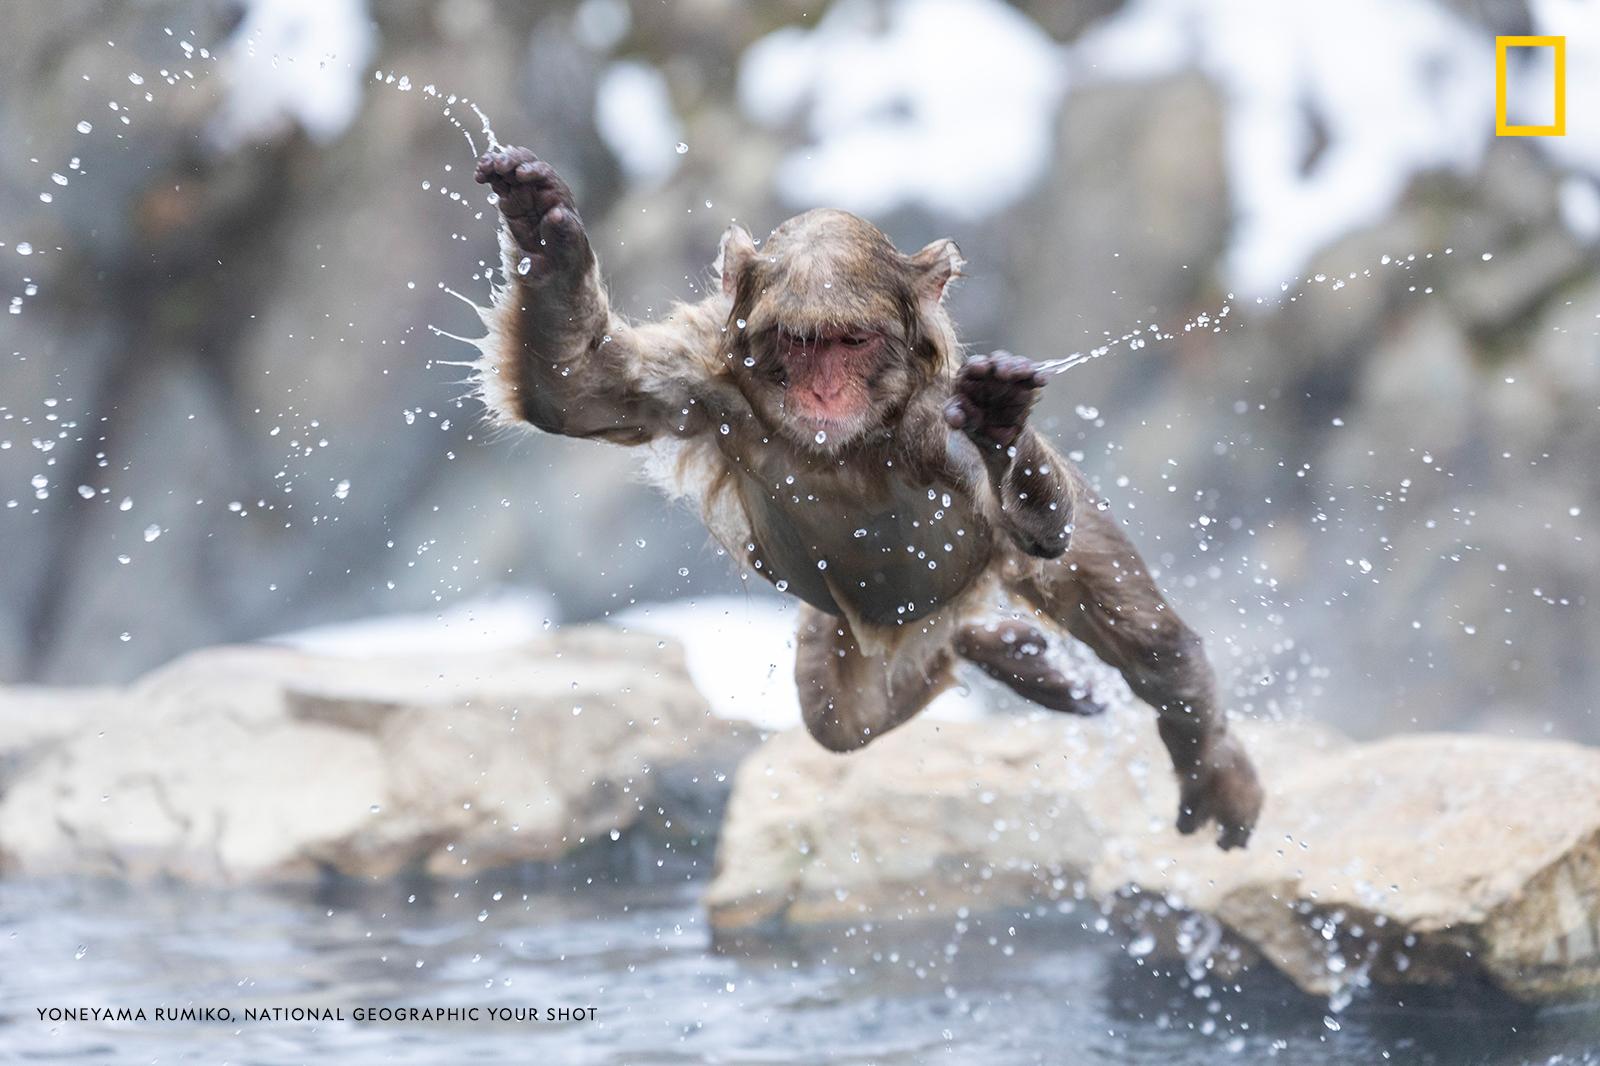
(1427,859)
(939,815)
(34,719)
(267,764)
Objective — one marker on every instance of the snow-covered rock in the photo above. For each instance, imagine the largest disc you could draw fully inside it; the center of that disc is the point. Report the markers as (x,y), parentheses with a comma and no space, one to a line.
(1426,859)
(257,763)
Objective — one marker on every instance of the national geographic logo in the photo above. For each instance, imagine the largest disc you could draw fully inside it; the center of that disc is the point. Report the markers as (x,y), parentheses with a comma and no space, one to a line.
(1502,123)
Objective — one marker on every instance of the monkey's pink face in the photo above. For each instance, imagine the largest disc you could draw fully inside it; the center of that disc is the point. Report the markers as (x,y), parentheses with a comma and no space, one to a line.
(829,377)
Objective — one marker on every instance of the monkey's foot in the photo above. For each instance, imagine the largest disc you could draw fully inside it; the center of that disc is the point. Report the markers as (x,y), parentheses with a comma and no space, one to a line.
(992,396)
(1015,654)
(537,205)
(1223,789)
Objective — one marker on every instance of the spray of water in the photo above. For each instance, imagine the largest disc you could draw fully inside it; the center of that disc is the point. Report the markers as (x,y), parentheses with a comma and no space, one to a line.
(1216,321)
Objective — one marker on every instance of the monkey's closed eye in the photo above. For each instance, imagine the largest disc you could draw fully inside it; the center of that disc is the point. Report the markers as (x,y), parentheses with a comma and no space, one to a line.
(855,340)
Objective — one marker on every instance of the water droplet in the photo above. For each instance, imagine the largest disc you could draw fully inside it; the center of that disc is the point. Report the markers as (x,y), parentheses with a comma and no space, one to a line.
(81,952)
(682,148)
(24,248)
(151,532)
(85,126)
(822,437)
(524,265)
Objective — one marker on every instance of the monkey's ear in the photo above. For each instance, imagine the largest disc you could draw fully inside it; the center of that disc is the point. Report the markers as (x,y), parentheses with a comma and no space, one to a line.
(936,266)
(733,255)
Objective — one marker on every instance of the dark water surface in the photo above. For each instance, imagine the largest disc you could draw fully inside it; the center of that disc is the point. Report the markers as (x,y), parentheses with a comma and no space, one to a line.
(1012,989)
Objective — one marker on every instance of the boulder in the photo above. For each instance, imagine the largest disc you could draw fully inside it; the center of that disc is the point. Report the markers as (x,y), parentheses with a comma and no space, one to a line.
(1427,859)
(35,718)
(269,764)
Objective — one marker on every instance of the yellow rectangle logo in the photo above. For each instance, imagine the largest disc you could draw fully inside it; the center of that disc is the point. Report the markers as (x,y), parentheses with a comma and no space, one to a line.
(1502,127)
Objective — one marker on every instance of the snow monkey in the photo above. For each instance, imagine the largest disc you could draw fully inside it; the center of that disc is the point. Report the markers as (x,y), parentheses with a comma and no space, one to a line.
(818,409)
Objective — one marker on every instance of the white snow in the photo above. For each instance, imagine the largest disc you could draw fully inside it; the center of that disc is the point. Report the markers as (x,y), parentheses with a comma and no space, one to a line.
(1402,86)
(1580,207)
(740,654)
(945,103)
(633,111)
(294,61)
(1579,22)
(501,621)
(951,105)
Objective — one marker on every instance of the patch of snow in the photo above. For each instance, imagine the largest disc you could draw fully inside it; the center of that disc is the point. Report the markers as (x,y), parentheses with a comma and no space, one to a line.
(472,625)
(740,654)
(633,111)
(1579,22)
(1580,207)
(945,103)
(1400,86)
(299,62)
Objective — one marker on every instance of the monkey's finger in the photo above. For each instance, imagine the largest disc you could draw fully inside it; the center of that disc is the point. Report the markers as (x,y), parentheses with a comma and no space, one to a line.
(955,415)
(506,162)
(970,415)
(1013,368)
(979,366)
(563,236)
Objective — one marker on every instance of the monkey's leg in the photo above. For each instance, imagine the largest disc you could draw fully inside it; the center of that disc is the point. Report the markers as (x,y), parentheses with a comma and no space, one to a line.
(1017,654)
(849,698)
(1102,593)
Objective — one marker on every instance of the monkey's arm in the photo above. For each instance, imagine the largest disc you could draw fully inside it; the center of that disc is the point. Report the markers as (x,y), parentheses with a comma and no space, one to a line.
(557,356)
(1035,496)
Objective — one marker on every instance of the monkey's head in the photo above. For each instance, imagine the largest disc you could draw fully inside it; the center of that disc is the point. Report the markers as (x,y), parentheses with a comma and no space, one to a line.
(833,330)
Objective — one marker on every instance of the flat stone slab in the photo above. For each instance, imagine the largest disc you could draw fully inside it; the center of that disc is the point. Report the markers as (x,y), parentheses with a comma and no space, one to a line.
(245,764)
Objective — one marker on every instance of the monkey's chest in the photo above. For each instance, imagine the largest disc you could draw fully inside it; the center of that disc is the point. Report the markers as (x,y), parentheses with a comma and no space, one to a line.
(892,560)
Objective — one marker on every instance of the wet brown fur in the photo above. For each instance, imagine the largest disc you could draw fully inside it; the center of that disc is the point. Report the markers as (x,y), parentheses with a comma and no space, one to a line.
(882,630)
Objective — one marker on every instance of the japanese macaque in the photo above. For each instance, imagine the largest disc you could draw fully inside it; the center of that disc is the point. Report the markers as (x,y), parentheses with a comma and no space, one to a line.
(818,408)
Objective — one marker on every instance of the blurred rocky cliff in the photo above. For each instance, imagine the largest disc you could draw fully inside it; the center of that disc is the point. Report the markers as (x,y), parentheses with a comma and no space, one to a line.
(223,412)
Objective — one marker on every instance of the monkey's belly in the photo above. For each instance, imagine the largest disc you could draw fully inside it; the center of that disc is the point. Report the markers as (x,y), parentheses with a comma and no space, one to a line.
(884,566)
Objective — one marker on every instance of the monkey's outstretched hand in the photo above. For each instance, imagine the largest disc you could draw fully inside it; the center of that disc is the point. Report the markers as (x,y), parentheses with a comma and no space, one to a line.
(538,209)
(992,396)
(1216,783)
